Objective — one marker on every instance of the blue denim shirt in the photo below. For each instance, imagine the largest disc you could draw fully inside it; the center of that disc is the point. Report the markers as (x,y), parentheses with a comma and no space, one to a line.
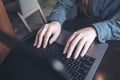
(106,30)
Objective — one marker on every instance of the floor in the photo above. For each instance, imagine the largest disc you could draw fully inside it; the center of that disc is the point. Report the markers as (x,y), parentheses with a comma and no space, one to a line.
(34,21)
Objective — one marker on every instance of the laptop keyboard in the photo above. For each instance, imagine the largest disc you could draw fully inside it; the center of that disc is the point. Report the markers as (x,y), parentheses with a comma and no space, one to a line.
(77,69)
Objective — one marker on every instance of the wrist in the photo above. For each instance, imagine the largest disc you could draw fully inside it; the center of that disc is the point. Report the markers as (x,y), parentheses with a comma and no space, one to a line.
(94,31)
(55,22)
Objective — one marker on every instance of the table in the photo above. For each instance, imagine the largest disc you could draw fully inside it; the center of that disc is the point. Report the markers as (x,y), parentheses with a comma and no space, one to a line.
(6,27)
(109,68)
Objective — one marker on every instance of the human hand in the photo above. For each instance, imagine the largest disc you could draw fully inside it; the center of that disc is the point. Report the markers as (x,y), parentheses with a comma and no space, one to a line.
(48,33)
(79,42)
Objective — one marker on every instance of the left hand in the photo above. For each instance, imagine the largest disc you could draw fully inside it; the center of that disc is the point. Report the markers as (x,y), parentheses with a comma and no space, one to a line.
(80,42)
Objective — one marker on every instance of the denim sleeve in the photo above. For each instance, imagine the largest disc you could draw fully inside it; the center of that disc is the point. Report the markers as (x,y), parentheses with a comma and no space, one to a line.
(60,10)
(108,30)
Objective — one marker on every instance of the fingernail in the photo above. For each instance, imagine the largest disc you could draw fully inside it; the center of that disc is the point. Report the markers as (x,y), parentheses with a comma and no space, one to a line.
(34,44)
(75,57)
(51,42)
(37,46)
(68,56)
(82,55)
(64,52)
(43,46)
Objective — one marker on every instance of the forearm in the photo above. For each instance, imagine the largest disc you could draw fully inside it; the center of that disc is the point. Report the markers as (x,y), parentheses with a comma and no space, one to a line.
(60,10)
(107,30)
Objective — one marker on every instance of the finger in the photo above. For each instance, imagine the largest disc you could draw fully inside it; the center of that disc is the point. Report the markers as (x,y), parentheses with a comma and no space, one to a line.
(72,46)
(40,36)
(85,49)
(54,37)
(46,37)
(68,43)
(79,48)
(36,38)
(37,35)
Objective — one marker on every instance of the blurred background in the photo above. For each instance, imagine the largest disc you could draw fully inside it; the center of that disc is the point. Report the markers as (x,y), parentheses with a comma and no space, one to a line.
(34,20)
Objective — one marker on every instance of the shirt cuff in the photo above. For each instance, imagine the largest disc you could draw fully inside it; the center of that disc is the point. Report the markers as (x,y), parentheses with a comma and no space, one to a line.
(57,18)
(103,31)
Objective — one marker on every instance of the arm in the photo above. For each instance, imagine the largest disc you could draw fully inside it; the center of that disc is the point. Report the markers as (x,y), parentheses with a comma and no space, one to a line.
(60,10)
(108,30)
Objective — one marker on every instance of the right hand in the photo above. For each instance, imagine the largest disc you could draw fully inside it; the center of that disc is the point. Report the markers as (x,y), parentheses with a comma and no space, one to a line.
(47,34)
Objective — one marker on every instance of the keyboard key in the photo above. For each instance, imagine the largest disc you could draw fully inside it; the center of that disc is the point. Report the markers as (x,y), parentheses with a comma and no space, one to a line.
(82,65)
(83,72)
(80,77)
(91,59)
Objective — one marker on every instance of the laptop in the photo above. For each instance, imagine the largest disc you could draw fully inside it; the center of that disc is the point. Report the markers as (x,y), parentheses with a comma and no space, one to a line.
(51,59)
(82,68)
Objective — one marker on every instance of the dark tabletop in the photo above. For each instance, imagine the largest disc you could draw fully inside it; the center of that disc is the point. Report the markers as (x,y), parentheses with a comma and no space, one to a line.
(109,68)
